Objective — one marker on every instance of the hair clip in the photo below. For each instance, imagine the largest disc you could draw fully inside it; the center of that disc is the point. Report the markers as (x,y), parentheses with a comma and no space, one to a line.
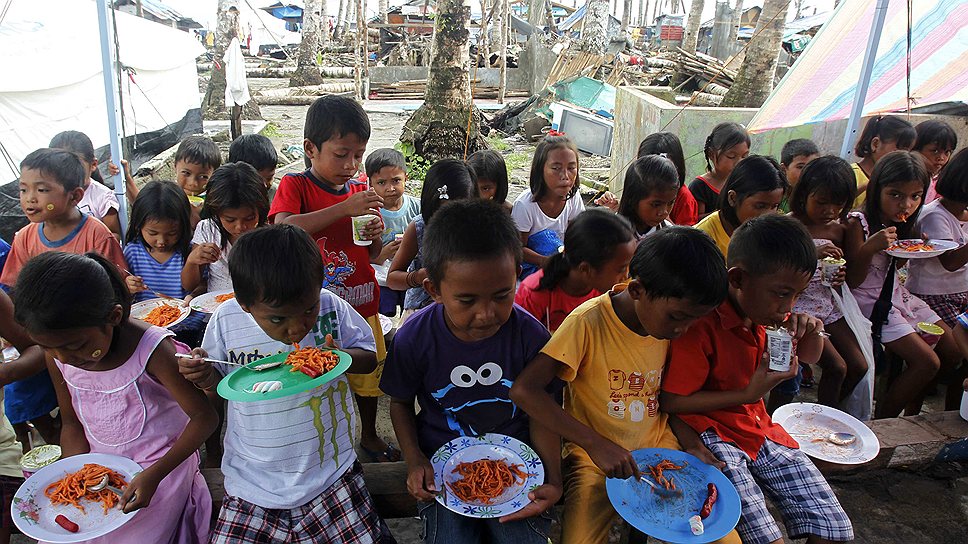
(664,155)
(561,248)
(442,193)
(553,132)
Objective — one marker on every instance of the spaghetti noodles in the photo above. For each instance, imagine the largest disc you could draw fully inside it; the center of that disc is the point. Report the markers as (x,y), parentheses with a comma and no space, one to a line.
(313,362)
(484,480)
(74,487)
(222,298)
(162,315)
(657,473)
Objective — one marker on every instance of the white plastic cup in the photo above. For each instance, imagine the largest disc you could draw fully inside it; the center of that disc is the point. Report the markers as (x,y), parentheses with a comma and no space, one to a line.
(359,225)
(964,406)
(828,269)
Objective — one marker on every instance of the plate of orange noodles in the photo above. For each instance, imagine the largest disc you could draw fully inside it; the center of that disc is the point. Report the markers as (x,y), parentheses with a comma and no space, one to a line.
(160,312)
(60,489)
(920,249)
(207,303)
(486,476)
(303,369)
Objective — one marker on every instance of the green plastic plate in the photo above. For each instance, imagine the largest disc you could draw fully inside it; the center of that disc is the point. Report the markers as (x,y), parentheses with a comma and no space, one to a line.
(235,386)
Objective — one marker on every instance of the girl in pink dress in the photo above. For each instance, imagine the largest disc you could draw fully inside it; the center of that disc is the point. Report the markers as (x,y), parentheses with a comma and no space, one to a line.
(120,392)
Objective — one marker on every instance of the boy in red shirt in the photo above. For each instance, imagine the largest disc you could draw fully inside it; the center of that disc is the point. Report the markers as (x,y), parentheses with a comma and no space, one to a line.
(718,374)
(322,201)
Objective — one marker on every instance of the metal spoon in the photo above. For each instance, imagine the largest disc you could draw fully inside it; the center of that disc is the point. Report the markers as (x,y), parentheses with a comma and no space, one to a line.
(661,490)
(103,484)
(837,439)
(257,368)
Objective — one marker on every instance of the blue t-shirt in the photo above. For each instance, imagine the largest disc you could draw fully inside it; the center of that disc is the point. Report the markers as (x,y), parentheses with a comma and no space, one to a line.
(396,222)
(161,277)
(462,387)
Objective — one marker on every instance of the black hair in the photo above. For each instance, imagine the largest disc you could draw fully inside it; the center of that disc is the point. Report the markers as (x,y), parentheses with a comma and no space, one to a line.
(754,174)
(953,181)
(661,259)
(887,128)
(645,176)
(63,166)
(199,150)
(591,238)
(548,144)
(489,164)
(46,296)
(254,149)
(382,158)
(77,142)
(902,167)
(455,235)
(935,132)
(447,180)
(164,201)
(235,185)
(801,147)
(770,243)
(275,265)
(723,137)
(334,116)
(668,143)
(829,175)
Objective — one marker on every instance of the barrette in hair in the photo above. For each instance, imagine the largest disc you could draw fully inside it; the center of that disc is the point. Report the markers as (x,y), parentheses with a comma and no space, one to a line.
(553,132)
(664,155)
(442,193)
(561,248)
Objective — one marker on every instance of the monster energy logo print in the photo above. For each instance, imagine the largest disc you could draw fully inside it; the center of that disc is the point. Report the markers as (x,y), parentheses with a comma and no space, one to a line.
(315,403)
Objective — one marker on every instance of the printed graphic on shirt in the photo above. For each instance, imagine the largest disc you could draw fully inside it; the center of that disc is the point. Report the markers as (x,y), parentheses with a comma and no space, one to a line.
(337,268)
(633,394)
(315,403)
(476,398)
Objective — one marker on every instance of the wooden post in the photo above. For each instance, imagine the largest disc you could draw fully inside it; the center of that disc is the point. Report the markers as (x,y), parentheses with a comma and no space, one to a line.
(235,126)
(505,23)
(361,75)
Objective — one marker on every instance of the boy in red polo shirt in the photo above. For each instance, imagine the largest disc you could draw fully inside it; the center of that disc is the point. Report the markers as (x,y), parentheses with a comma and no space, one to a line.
(718,374)
(322,201)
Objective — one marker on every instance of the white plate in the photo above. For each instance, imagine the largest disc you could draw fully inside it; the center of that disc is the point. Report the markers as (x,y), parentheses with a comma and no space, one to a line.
(141,309)
(818,421)
(386,324)
(940,246)
(206,303)
(494,446)
(34,515)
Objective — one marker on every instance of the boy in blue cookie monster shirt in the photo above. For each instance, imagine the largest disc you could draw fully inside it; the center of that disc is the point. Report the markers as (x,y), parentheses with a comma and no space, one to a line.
(459,358)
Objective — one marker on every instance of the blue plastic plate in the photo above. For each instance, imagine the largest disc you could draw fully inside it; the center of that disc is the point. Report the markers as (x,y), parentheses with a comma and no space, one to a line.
(668,518)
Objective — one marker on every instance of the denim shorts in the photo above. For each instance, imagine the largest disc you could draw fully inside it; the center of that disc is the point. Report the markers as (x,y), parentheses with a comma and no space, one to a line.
(443,526)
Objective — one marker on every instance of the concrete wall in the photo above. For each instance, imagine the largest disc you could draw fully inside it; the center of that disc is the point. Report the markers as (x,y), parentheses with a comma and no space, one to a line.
(638,114)
(518,80)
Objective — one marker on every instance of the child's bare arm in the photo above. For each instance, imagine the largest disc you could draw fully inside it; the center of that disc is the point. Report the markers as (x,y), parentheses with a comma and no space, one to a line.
(531,256)
(112,222)
(859,253)
(529,392)
(548,446)
(202,421)
(420,473)
(364,361)
(761,382)
(397,275)
(73,441)
(691,442)
(360,203)
(31,360)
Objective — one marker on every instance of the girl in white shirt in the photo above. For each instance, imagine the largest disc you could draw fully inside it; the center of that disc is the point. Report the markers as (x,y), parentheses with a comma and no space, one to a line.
(551,202)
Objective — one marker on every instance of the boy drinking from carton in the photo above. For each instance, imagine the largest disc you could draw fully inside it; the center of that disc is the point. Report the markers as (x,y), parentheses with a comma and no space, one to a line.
(611,351)
(291,473)
(387,173)
(459,358)
(719,371)
(333,208)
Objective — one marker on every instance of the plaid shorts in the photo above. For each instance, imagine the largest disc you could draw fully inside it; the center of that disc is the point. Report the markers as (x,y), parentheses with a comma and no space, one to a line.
(342,513)
(793,483)
(948,307)
(8,487)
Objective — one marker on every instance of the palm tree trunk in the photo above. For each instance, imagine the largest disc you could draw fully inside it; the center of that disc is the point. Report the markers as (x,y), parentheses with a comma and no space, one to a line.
(213,104)
(384,9)
(324,34)
(307,71)
(340,26)
(536,14)
(737,19)
(626,15)
(754,81)
(594,27)
(502,16)
(483,40)
(439,127)
(360,73)
(693,20)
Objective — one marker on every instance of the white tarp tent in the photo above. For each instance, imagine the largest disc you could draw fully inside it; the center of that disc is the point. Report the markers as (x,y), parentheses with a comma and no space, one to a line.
(53,77)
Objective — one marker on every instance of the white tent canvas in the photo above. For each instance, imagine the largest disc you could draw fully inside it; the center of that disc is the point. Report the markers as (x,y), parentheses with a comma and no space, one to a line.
(53,80)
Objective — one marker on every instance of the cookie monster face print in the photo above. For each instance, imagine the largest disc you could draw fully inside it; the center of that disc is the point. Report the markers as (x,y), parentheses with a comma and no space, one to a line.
(476,400)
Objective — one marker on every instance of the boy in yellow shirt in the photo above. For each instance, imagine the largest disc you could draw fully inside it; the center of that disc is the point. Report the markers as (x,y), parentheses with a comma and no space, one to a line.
(611,351)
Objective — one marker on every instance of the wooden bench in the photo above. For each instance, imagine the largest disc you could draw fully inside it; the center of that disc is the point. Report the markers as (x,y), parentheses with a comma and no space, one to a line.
(905,441)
